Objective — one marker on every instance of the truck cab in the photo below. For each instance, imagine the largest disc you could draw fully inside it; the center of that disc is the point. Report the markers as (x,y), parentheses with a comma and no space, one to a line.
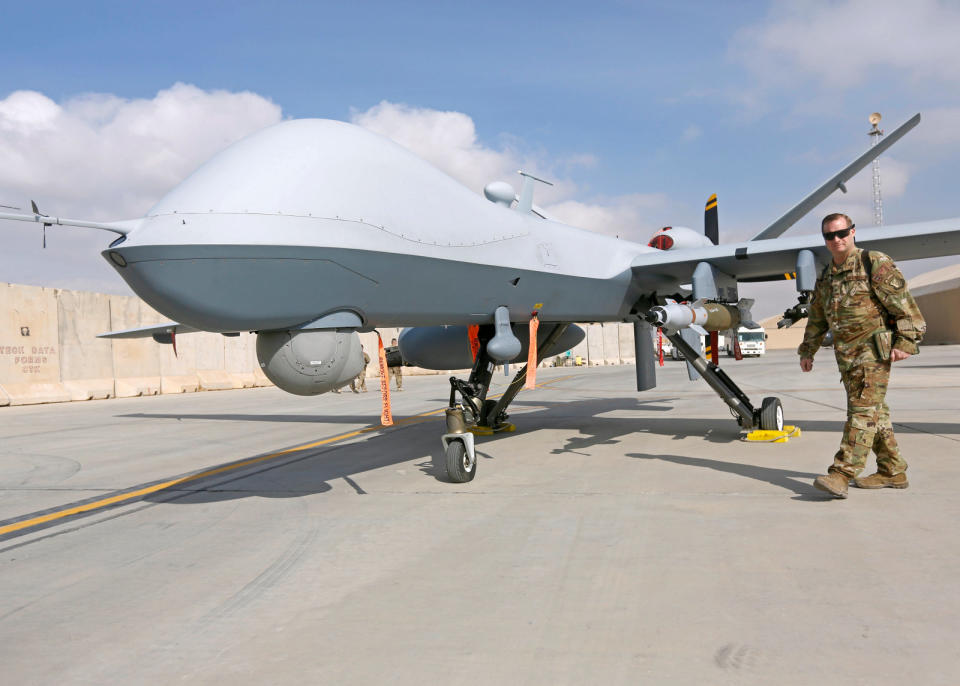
(752,342)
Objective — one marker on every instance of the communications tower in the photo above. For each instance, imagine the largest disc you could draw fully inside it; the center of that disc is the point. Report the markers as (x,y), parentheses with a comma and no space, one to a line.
(875,134)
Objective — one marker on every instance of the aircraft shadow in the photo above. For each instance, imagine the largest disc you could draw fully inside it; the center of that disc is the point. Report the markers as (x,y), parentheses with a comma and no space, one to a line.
(783,478)
(297,418)
(312,471)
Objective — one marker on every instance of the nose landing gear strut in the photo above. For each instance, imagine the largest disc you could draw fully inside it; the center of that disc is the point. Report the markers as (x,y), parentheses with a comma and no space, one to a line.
(474,411)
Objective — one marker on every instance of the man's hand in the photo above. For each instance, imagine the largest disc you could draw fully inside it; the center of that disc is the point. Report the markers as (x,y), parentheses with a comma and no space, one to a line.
(806,363)
(896,355)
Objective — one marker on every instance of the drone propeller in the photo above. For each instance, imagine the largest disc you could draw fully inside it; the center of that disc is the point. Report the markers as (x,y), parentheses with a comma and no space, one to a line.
(711,224)
(711,229)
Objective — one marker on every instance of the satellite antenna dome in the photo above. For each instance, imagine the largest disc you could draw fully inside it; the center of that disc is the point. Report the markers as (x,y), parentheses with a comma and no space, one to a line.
(875,118)
(500,192)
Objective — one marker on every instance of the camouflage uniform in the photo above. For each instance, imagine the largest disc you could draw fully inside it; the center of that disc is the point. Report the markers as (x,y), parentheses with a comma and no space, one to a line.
(360,380)
(396,373)
(844,302)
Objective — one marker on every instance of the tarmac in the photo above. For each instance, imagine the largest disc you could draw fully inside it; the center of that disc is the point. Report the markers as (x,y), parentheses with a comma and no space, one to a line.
(252,537)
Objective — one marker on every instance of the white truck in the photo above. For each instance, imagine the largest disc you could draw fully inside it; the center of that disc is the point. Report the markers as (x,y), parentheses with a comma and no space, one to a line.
(752,342)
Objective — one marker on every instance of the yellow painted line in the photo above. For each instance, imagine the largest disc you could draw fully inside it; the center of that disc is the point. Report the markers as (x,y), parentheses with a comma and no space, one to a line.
(710,206)
(147,490)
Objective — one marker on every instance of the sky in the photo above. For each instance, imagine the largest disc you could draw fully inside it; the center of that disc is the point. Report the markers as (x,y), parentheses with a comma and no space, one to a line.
(637,111)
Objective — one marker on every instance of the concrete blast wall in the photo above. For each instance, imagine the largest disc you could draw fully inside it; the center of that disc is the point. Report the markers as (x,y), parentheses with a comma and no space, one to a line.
(49,351)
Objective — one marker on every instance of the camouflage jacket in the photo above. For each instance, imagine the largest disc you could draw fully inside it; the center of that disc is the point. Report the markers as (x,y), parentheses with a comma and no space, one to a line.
(844,302)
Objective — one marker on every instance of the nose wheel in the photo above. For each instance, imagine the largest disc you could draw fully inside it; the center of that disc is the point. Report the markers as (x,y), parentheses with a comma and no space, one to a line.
(461,464)
(470,411)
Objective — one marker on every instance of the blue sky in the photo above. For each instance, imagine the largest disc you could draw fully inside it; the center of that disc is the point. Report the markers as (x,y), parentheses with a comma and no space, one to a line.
(639,110)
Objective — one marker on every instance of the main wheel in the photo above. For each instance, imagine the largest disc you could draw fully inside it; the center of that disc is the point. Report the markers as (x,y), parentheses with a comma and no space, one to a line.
(461,468)
(771,414)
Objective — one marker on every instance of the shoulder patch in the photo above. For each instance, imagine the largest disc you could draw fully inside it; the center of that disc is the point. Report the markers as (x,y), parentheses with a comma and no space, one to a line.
(888,276)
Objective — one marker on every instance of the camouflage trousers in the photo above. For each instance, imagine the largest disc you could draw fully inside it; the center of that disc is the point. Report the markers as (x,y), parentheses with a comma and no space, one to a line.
(396,373)
(868,424)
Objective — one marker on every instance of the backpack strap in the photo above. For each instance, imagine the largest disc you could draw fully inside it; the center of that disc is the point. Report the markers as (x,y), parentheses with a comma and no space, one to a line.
(889,320)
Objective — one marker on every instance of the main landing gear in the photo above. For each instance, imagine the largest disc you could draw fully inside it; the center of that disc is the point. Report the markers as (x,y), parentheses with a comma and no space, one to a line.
(475,413)
(768,417)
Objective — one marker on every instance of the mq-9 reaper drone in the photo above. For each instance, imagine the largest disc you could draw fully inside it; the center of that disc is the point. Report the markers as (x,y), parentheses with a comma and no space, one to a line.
(311,231)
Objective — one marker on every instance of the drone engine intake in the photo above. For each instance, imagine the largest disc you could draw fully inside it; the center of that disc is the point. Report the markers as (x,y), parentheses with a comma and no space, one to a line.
(309,362)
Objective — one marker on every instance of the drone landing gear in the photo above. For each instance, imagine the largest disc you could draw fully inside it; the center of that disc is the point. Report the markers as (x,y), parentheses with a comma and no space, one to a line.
(768,417)
(474,413)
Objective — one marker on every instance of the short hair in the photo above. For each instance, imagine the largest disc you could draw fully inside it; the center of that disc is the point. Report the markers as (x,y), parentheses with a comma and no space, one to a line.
(835,216)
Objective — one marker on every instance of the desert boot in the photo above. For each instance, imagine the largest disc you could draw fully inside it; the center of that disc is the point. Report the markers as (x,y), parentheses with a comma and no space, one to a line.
(833,483)
(879,480)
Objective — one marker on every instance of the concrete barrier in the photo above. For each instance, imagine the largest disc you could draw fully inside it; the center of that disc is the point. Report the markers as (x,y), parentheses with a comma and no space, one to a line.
(594,340)
(136,361)
(49,351)
(611,342)
(628,352)
(180,383)
(30,346)
(135,386)
(86,362)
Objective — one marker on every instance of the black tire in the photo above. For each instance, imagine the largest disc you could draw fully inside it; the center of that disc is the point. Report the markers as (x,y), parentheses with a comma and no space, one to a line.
(771,414)
(460,468)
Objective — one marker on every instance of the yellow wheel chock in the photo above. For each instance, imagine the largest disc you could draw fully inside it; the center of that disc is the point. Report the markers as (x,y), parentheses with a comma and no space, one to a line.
(761,436)
(506,427)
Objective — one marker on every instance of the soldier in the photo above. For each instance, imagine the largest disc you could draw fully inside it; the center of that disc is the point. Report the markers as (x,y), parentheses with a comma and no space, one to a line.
(361,379)
(396,372)
(875,322)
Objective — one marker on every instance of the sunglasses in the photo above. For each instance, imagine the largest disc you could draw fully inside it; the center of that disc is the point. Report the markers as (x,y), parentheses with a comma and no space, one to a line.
(842,233)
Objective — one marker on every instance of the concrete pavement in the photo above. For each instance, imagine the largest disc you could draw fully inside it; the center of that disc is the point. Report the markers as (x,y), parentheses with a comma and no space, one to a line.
(615,538)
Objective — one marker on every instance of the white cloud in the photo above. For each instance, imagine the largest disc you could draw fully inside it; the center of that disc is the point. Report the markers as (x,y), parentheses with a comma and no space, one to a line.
(938,134)
(449,141)
(100,156)
(627,216)
(838,43)
(691,133)
(858,201)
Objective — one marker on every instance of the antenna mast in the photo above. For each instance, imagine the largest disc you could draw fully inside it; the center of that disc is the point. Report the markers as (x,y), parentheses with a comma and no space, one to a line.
(875,134)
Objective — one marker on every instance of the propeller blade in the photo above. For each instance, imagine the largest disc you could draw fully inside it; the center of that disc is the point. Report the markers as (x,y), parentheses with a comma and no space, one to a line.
(711,223)
(646,363)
